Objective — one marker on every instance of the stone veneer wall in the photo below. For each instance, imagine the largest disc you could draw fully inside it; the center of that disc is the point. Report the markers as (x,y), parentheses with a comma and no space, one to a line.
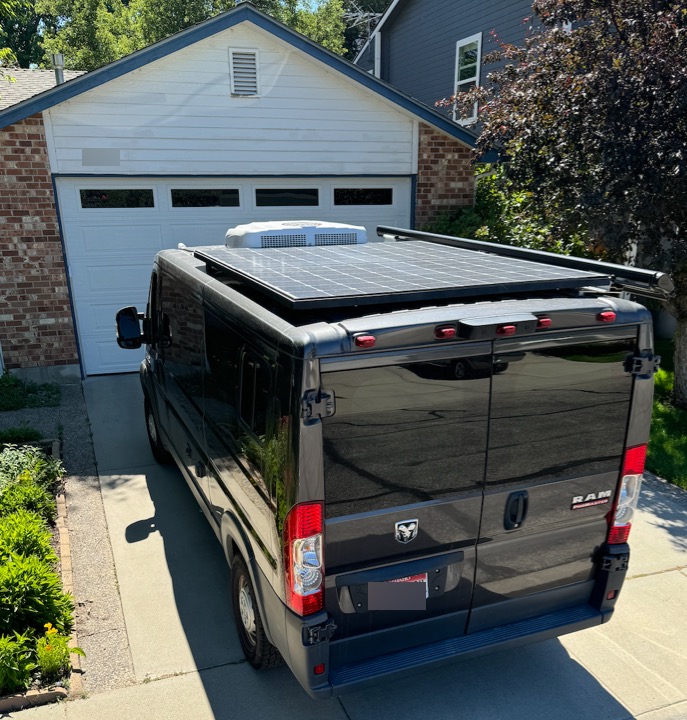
(36,328)
(445,176)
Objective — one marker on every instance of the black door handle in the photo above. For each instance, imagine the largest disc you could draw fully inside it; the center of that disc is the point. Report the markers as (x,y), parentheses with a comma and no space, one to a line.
(516,510)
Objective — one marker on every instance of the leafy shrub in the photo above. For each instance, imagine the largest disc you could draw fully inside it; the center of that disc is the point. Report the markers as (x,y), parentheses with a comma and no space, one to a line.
(503,215)
(16,393)
(29,463)
(31,596)
(25,533)
(16,662)
(53,654)
(19,435)
(26,495)
(11,392)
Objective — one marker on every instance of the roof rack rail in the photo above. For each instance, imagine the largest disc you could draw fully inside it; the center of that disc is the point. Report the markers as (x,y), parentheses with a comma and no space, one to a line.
(647,283)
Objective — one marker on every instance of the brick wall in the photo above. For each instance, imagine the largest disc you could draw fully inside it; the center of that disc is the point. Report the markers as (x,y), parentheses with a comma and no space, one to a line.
(36,326)
(445,177)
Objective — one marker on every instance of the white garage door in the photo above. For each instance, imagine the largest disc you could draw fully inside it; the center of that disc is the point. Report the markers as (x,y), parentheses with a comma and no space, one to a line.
(113,227)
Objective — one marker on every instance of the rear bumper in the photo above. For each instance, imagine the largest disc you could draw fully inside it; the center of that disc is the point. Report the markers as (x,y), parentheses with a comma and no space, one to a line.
(341,677)
(425,657)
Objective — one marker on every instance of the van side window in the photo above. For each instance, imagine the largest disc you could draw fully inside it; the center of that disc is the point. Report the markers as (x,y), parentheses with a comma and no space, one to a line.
(255,385)
(181,339)
(221,383)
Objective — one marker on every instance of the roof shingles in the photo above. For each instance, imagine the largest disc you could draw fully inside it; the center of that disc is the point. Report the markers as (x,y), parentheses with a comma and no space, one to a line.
(21,84)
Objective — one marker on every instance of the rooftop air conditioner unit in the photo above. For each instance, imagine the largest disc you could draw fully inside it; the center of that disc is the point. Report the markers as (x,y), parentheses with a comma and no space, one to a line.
(294,233)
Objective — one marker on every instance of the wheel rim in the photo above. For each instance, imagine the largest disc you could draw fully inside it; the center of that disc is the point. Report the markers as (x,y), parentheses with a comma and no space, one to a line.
(152,429)
(246,610)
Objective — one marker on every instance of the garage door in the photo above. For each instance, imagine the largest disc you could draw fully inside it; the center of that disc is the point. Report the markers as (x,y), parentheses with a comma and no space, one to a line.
(113,227)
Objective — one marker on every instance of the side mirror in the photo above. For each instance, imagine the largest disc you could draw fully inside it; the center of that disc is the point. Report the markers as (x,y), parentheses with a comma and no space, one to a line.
(129,335)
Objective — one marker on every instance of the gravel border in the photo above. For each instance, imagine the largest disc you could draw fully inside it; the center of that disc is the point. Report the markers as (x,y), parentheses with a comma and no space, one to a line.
(99,620)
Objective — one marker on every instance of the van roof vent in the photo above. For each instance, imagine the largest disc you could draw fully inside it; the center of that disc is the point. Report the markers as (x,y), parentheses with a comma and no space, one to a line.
(294,233)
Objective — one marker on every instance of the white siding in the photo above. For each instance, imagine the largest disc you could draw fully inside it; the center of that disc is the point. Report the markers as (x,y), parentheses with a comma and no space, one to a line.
(177,116)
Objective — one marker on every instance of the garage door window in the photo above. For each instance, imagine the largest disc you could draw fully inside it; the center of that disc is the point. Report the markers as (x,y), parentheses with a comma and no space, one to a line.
(286,197)
(363,196)
(202,197)
(116,199)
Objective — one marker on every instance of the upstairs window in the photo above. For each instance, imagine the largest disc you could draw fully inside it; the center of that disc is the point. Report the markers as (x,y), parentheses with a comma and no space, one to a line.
(468,61)
(243,73)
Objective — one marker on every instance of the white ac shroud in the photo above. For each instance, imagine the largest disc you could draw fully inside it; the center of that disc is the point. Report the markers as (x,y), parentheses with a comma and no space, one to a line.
(294,233)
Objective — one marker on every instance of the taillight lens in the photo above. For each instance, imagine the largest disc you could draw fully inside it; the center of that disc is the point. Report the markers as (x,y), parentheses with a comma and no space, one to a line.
(304,558)
(628,495)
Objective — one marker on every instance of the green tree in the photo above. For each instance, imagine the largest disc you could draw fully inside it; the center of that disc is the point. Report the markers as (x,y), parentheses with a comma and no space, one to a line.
(593,121)
(21,32)
(92,33)
(7,10)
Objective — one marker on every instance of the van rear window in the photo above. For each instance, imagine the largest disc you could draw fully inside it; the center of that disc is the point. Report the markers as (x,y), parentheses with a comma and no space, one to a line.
(405,434)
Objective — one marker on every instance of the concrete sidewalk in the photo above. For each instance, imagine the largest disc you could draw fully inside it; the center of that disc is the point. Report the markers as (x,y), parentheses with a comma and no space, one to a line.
(187,662)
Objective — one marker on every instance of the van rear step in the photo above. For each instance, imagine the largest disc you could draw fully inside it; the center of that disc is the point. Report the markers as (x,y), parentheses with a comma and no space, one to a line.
(423,657)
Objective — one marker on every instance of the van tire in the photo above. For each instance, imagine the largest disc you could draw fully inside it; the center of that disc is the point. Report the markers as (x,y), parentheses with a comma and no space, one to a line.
(259,651)
(160,452)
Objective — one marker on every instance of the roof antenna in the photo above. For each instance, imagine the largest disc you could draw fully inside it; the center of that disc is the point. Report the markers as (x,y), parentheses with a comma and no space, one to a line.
(58,64)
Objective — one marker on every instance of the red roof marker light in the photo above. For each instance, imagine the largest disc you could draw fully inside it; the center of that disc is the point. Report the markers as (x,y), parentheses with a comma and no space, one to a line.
(505,330)
(606,316)
(543,322)
(365,341)
(445,332)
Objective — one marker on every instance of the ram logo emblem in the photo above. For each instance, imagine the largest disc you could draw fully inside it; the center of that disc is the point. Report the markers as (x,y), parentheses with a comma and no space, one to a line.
(406,530)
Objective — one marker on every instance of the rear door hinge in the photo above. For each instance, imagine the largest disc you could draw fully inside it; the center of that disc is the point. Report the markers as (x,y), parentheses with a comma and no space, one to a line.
(318,403)
(644,365)
(318,633)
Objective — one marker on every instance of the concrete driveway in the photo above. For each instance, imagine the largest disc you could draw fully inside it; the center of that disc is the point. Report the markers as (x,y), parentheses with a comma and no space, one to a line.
(187,663)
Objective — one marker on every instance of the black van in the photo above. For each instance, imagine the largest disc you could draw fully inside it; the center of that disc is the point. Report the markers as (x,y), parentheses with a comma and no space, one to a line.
(411,450)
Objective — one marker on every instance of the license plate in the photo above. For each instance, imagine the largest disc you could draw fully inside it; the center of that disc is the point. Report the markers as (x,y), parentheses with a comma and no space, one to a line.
(406,593)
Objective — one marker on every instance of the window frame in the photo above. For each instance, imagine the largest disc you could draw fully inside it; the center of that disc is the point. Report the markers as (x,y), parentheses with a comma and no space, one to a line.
(457,82)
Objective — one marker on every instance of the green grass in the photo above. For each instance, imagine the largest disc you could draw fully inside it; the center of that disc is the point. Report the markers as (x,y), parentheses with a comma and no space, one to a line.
(16,393)
(667,455)
(19,435)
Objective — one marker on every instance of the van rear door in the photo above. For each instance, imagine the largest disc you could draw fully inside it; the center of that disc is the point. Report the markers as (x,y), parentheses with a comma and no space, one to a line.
(405,458)
(559,415)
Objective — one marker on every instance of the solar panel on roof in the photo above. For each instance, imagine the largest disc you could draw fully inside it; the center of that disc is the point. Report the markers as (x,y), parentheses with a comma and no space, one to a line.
(387,272)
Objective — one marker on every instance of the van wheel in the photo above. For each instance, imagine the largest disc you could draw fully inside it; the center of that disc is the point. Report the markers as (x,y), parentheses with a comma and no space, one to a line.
(259,652)
(160,452)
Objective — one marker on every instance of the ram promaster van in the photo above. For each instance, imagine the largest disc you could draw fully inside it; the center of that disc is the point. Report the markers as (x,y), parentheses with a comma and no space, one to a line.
(411,450)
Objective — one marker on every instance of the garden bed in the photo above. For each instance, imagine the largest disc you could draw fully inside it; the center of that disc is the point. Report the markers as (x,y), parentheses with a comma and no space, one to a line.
(36,614)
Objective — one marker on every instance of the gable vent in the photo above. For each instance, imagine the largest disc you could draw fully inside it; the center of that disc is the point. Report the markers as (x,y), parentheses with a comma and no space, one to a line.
(243,69)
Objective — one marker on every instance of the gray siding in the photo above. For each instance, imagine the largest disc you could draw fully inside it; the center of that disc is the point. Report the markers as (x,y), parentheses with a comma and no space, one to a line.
(419,48)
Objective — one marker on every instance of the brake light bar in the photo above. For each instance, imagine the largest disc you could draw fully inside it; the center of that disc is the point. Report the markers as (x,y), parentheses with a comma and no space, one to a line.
(627,496)
(304,558)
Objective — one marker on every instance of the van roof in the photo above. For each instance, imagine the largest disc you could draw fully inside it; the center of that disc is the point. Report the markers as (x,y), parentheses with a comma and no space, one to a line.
(388,273)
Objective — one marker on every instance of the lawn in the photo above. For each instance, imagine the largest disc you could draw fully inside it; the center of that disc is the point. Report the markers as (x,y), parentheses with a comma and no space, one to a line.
(667,455)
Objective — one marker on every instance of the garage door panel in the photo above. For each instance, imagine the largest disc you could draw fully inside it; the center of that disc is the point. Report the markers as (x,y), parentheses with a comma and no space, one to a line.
(115,280)
(110,251)
(200,234)
(101,355)
(100,239)
(99,317)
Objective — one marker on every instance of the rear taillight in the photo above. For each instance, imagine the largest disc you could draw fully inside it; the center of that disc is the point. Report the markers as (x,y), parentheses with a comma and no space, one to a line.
(628,495)
(304,558)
